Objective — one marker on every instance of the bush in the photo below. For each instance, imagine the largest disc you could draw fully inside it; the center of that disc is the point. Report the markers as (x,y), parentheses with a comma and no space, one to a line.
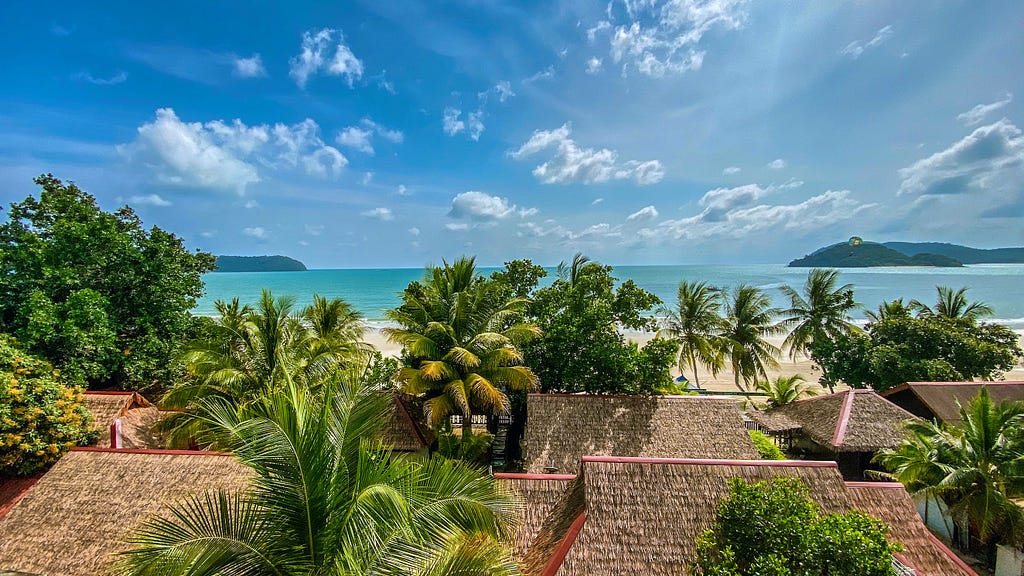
(473,450)
(41,418)
(765,447)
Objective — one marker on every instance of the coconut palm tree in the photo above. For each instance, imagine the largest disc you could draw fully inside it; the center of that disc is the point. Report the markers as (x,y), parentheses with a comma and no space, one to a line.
(952,304)
(890,309)
(821,312)
(785,390)
(976,467)
(461,343)
(325,500)
(750,319)
(695,323)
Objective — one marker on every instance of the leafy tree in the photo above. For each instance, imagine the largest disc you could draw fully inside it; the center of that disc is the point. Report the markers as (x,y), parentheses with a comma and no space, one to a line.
(975,467)
(581,348)
(900,349)
(750,320)
(773,528)
(95,293)
(323,500)
(952,304)
(891,309)
(695,324)
(520,276)
(785,390)
(765,447)
(821,312)
(41,416)
(461,343)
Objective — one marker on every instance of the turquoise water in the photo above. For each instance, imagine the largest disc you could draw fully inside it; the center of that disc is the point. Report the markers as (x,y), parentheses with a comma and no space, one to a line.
(371,291)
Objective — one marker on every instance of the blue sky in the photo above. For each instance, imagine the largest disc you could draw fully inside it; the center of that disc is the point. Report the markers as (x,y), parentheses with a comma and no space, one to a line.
(378,134)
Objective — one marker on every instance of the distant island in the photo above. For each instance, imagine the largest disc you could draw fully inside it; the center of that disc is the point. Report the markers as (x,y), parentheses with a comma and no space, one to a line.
(857,253)
(964,254)
(258,264)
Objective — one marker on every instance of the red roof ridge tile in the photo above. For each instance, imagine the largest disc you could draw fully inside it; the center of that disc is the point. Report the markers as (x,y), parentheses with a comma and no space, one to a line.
(150,451)
(711,461)
(844,419)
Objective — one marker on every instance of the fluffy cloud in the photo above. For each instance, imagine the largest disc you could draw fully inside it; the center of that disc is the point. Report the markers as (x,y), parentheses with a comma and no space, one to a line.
(482,207)
(148,200)
(251,67)
(593,66)
(414,231)
(453,123)
(856,48)
(659,38)
(361,137)
(256,232)
(989,160)
(502,91)
(224,156)
(570,163)
(316,57)
(730,170)
(645,213)
(975,115)
(777,164)
(382,214)
(719,202)
(118,78)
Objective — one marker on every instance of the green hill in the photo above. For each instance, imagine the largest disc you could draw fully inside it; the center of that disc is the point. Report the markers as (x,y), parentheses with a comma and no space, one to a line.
(964,254)
(867,255)
(258,264)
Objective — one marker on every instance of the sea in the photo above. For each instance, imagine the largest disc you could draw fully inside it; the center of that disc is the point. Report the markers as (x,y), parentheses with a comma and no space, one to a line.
(371,291)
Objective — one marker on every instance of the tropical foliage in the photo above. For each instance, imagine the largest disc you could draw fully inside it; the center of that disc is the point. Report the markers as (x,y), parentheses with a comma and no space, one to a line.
(99,296)
(750,321)
(765,447)
(952,304)
(772,528)
(461,341)
(976,467)
(323,500)
(41,416)
(785,390)
(889,309)
(695,324)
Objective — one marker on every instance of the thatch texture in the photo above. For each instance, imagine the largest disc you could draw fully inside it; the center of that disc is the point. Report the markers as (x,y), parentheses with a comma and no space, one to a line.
(938,400)
(561,428)
(13,489)
(106,407)
(539,493)
(139,428)
(891,503)
(82,510)
(850,421)
(406,429)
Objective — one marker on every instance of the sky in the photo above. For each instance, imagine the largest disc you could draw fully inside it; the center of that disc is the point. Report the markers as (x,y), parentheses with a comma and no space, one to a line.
(397,133)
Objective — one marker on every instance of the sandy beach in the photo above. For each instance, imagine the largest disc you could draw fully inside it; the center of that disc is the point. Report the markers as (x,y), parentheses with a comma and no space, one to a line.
(722,382)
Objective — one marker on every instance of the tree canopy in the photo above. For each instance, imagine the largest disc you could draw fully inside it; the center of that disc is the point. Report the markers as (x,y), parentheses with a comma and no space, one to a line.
(99,296)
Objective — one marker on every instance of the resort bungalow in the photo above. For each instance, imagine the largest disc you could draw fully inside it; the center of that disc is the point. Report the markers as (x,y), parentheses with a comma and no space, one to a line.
(562,428)
(124,419)
(848,427)
(633,516)
(76,515)
(406,428)
(938,400)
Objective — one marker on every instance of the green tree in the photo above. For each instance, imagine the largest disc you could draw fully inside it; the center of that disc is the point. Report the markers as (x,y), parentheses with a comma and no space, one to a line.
(890,309)
(521,277)
(95,293)
(952,304)
(750,320)
(461,341)
(900,349)
(976,467)
(695,323)
(774,528)
(324,500)
(581,348)
(785,390)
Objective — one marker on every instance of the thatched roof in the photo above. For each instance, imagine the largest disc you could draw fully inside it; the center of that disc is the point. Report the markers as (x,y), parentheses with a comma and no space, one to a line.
(406,429)
(849,421)
(539,494)
(108,406)
(80,511)
(939,399)
(561,428)
(890,502)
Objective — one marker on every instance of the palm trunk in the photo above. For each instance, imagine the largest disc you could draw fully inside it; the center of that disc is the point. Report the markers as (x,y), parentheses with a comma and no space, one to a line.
(693,364)
(467,425)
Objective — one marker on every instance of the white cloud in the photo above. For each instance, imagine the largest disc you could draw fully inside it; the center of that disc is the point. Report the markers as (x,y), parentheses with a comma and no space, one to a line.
(480,206)
(719,202)
(148,200)
(453,123)
(731,170)
(570,163)
(402,190)
(250,204)
(414,231)
(251,67)
(502,90)
(597,201)
(645,213)
(856,48)
(224,156)
(382,214)
(457,226)
(991,158)
(544,74)
(114,80)
(659,38)
(314,229)
(593,66)
(975,115)
(367,178)
(257,232)
(316,57)
(356,138)
(777,164)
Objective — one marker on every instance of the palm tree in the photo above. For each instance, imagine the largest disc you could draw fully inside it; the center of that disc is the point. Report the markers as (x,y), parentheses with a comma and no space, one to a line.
(977,467)
(821,312)
(695,324)
(952,304)
(750,319)
(325,500)
(461,343)
(891,309)
(785,390)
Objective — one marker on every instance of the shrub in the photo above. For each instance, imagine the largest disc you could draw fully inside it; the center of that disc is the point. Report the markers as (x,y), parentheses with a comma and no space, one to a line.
(472,449)
(765,447)
(41,417)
